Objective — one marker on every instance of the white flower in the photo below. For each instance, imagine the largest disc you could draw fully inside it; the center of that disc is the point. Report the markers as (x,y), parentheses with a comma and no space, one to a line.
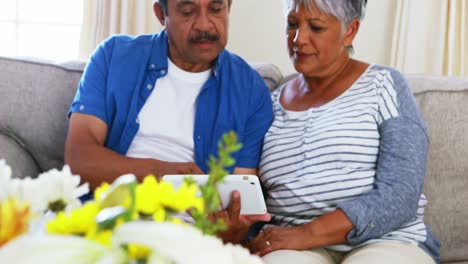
(58,249)
(5,178)
(60,186)
(5,171)
(181,244)
(54,186)
(28,191)
(23,190)
(169,242)
(242,255)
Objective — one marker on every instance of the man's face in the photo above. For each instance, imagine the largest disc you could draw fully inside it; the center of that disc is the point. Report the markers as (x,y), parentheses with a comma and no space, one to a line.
(197,32)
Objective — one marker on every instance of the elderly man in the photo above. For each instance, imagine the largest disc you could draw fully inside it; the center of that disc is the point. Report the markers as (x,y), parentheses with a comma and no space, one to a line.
(158,104)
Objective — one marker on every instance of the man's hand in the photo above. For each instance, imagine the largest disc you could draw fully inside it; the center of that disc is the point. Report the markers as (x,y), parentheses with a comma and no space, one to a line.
(238,225)
(163,168)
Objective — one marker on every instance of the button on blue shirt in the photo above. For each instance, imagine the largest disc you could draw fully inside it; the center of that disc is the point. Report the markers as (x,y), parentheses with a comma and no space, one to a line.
(116,84)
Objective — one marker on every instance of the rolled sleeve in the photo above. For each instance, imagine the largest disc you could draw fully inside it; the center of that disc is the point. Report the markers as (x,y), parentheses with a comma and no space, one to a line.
(261,116)
(90,97)
(398,185)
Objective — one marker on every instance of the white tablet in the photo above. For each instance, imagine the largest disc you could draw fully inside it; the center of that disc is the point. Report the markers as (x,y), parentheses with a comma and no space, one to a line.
(252,201)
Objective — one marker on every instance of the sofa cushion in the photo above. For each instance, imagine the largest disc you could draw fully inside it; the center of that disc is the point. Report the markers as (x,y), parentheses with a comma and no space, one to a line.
(17,157)
(270,74)
(443,102)
(35,98)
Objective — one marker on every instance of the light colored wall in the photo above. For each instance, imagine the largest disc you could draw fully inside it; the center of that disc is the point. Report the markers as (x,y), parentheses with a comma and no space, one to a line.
(374,40)
(257,32)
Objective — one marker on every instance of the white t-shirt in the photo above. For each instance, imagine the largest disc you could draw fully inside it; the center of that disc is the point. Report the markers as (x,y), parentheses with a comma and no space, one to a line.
(168,116)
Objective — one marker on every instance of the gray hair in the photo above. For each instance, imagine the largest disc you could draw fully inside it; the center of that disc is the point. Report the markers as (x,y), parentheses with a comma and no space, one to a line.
(344,10)
(163,4)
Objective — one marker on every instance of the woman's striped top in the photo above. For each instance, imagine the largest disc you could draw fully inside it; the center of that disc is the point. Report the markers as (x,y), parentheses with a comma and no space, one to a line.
(363,152)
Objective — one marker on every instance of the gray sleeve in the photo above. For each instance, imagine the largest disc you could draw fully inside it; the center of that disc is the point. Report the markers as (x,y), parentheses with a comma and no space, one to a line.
(401,168)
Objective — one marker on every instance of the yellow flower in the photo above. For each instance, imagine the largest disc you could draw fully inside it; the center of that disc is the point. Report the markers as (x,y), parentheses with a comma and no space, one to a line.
(177,221)
(159,215)
(104,237)
(98,193)
(153,196)
(79,222)
(186,198)
(137,252)
(150,195)
(14,218)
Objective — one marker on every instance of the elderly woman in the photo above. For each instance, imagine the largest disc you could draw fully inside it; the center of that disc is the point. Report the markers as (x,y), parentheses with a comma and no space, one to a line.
(344,160)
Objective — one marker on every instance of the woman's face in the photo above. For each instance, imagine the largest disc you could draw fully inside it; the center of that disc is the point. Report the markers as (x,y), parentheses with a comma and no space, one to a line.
(316,40)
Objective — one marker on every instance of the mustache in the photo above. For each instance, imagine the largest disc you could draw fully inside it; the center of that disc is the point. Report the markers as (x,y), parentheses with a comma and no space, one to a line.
(204,36)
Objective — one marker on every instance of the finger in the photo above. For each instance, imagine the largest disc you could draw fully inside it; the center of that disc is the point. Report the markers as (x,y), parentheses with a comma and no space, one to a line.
(253,246)
(212,217)
(257,218)
(234,206)
(261,247)
(256,240)
(265,250)
(266,245)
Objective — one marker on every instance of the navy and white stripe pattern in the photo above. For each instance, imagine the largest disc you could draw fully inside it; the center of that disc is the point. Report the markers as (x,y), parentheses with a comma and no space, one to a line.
(317,158)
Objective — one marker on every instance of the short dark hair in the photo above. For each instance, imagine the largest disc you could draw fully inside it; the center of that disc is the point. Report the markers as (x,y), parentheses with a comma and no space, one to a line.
(163,4)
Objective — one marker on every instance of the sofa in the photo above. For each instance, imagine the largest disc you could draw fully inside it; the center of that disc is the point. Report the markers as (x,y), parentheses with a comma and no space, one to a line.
(35,96)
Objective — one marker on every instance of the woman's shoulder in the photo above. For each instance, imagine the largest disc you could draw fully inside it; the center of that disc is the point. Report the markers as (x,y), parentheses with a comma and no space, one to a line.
(388,80)
(395,89)
(394,75)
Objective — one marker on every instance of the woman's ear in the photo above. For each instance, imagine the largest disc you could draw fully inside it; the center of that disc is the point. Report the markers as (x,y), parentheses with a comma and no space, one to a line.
(159,12)
(351,31)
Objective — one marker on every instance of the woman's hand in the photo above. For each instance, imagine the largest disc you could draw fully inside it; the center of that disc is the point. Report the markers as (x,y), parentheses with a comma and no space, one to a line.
(329,229)
(276,238)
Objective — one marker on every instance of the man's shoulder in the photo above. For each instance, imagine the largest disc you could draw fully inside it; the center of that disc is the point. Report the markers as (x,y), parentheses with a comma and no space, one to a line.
(129,43)
(235,61)
(236,67)
(128,51)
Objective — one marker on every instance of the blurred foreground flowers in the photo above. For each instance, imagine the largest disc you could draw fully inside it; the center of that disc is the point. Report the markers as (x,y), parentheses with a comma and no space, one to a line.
(127,222)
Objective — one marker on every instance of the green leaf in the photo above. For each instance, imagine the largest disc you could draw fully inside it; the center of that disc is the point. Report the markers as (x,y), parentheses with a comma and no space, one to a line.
(217,172)
(107,218)
(189,181)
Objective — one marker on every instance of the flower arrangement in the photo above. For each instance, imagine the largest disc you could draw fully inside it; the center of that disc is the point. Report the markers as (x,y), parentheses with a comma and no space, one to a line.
(126,222)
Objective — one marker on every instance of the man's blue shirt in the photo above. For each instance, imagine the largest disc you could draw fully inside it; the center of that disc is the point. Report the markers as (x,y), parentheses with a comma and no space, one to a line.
(121,75)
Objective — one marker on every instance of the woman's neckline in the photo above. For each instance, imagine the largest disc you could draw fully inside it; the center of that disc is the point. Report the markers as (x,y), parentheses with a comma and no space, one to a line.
(325,105)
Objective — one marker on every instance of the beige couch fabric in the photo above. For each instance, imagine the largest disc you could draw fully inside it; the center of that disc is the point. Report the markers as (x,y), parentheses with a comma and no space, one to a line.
(35,97)
(444,105)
